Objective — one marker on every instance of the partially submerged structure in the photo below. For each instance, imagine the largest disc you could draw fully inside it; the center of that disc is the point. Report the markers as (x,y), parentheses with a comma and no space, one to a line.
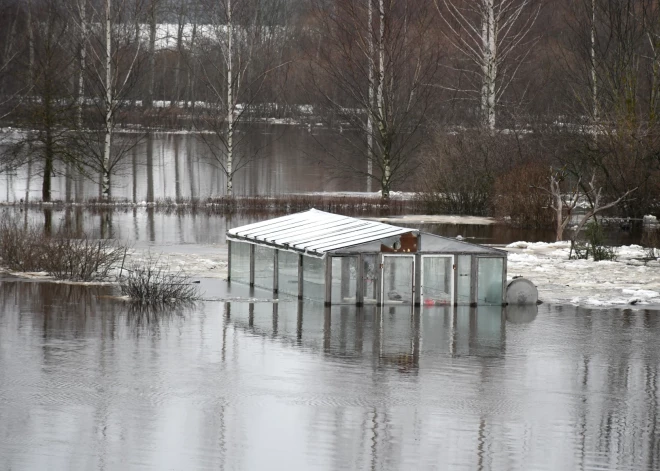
(343,260)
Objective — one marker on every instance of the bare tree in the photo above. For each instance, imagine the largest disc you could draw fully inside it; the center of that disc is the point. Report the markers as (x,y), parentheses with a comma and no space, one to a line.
(234,65)
(493,39)
(564,204)
(49,108)
(112,72)
(393,57)
(612,71)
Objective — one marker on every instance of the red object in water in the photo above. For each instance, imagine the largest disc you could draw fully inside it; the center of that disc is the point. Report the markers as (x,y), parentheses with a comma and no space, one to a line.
(429,302)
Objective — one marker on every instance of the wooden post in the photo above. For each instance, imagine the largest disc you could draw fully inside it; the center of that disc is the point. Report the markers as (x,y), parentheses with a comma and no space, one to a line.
(417,281)
(328,280)
(300,276)
(276,271)
(379,280)
(474,280)
(229,260)
(251,265)
(359,289)
(299,322)
(504,281)
(276,307)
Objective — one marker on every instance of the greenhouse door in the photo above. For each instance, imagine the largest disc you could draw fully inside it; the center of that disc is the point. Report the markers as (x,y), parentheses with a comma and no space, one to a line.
(397,279)
(437,280)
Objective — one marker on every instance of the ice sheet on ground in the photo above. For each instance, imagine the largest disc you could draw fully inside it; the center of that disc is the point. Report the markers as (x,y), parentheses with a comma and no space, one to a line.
(628,280)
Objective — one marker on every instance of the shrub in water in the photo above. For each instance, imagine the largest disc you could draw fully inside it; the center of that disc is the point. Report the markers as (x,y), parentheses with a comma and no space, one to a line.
(593,245)
(651,243)
(26,248)
(153,283)
(82,259)
(22,247)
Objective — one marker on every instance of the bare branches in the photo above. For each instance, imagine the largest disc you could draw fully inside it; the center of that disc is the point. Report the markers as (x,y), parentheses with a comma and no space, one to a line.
(564,204)
(374,66)
(488,34)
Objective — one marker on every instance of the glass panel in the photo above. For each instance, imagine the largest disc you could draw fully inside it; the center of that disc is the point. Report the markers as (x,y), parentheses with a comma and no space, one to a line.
(264,260)
(370,279)
(490,281)
(437,280)
(314,278)
(344,280)
(240,262)
(464,276)
(398,276)
(288,272)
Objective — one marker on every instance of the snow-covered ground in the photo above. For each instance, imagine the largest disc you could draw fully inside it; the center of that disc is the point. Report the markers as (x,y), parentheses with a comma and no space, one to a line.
(626,281)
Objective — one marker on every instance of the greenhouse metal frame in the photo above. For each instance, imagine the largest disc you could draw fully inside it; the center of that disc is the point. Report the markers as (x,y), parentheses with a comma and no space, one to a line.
(338,259)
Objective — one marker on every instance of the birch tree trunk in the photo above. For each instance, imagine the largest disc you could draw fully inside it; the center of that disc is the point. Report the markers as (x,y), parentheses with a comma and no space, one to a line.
(179,49)
(370,124)
(496,36)
(230,103)
(30,32)
(489,64)
(105,185)
(190,102)
(152,54)
(82,11)
(382,111)
(594,77)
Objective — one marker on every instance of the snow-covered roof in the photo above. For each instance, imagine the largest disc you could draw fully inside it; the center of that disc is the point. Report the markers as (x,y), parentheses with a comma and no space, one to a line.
(315,232)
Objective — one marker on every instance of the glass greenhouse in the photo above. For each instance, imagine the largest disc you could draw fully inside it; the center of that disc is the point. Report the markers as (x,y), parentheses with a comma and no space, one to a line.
(343,260)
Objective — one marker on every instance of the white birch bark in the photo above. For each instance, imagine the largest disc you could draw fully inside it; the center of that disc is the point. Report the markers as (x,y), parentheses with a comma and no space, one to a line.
(594,77)
(152,54)
(370,124)
(230,103)
(82,12)
(499,31)
(179,50)
(105,185)
(489,63)
(382,112)
(30,47)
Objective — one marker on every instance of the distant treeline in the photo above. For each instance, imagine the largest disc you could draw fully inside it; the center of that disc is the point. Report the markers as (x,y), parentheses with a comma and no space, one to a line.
(489,92)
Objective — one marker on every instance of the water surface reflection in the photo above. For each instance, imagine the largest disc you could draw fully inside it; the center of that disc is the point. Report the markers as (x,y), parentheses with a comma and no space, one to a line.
(84,383)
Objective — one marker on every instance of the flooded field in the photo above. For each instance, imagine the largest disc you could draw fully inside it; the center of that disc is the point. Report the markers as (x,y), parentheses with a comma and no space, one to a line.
(88,383)
(282,159)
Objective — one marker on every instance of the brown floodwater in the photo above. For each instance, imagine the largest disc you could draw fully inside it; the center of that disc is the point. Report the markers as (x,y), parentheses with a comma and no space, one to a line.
(87,382)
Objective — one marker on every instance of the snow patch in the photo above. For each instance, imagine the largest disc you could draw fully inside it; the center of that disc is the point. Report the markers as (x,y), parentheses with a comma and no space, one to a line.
(629,280)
